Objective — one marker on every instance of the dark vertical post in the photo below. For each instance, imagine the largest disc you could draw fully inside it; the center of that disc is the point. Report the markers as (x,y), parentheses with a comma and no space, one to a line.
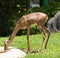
(46,3)
(30,6)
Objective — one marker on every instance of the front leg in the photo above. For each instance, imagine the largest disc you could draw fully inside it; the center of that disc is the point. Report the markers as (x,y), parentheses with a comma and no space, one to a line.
(28,44)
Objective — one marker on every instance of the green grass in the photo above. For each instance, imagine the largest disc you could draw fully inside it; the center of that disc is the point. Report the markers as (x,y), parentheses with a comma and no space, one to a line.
(52,51)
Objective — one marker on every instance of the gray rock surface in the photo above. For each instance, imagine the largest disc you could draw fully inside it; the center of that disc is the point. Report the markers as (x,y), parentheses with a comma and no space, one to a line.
(54,23)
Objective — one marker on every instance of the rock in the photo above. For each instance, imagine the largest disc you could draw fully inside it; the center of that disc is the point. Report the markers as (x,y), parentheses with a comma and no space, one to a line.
(57,16)
(12,53)
(54,23)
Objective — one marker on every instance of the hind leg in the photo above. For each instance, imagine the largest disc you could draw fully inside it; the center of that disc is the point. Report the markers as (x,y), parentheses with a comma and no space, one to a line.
(43,38)
(41,29)
(47,37)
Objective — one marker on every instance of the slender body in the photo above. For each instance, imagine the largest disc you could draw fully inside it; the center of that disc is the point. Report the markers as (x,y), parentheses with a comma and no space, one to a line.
(25,22)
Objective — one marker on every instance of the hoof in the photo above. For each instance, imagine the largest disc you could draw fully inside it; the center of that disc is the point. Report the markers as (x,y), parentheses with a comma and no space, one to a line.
(45,47)
(36,51)
(28,52)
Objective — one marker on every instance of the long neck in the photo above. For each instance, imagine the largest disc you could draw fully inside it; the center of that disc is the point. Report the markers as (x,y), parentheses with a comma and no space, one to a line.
(7,43)
(16,29)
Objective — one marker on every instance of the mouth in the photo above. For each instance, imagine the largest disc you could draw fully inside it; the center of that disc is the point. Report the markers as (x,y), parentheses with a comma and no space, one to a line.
(5,46)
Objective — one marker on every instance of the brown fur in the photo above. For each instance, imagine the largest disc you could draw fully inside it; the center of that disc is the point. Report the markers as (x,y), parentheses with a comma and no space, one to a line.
(25,22)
